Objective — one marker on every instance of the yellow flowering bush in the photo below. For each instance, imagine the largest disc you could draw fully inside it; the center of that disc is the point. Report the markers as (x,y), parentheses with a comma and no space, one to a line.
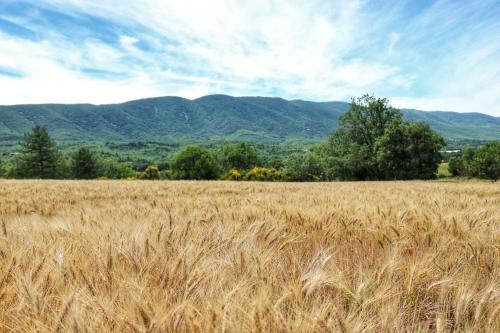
(263,174)
(234,174)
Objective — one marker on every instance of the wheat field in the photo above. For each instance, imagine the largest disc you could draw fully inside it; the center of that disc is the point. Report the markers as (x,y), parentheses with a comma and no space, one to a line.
(139,256)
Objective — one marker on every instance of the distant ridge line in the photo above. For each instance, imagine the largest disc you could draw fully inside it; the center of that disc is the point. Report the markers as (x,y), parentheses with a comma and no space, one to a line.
(215,117)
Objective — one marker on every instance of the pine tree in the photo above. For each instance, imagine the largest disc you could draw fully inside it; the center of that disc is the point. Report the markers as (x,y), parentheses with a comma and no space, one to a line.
(38,155)
(84,164)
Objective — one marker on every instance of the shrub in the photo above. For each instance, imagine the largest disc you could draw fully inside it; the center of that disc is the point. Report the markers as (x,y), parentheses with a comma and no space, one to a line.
(166,174)
(263,174)
(443,170)
(114,170)
(232,174)
(151,173)
(456,165)
(460,164)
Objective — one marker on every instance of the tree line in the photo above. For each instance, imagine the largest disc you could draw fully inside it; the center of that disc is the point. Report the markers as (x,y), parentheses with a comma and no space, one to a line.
(373,142)
(482,162)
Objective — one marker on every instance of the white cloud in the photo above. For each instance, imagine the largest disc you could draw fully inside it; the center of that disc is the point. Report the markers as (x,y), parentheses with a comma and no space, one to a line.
(278,42)
(393,40)
(320,50)
(47,79)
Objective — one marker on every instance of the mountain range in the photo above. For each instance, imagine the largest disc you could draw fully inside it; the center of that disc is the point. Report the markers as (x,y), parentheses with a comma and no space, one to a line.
(215,117)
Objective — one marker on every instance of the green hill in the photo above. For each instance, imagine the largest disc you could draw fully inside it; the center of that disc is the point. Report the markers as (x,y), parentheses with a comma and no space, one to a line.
(214,117)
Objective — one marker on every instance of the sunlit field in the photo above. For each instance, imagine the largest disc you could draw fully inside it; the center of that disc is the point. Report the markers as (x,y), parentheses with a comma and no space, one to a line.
(139,256)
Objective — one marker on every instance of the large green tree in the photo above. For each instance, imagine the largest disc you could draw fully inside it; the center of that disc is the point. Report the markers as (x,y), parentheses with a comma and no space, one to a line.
(350,151)
(194,163)
(373,142)
(486,161)
(409,150)
(38,155)
(240,156)
(85,164)
(367,120)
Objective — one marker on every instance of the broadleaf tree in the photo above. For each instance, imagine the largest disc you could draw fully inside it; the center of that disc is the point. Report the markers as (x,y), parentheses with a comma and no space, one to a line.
(195,163)
(239,156)
(373,142)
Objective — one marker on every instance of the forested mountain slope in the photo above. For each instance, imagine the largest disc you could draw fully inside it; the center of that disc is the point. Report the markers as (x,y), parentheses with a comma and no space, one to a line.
(258,119)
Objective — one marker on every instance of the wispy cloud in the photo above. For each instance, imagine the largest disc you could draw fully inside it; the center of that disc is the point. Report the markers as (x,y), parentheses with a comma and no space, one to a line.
(440,55)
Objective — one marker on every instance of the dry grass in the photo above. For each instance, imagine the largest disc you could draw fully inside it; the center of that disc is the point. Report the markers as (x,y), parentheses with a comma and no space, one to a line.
(240,257)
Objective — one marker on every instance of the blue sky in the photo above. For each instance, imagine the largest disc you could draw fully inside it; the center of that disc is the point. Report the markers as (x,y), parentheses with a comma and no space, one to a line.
(431,55)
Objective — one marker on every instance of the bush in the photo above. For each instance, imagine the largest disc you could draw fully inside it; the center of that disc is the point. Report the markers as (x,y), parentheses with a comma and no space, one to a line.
(263,174)
(443,170)
(114,170)
(151,173)
(9,171)
(456,165)
(232,174)
(460,164)
(194,163)
(166,174)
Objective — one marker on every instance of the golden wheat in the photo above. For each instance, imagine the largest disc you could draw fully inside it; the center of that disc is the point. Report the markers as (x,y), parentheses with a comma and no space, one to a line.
(121,256)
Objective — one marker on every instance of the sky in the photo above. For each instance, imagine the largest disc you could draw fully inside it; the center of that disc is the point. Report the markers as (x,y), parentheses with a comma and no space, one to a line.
(428,55)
